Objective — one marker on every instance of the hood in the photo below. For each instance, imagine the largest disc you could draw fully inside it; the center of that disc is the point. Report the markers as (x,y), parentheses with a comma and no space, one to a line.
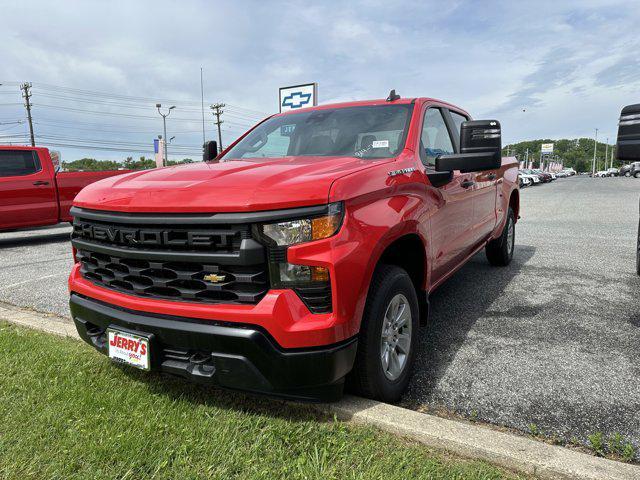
(237,185)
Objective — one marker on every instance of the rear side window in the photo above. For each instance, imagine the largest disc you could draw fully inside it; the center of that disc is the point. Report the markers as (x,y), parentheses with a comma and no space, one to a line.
(16,163)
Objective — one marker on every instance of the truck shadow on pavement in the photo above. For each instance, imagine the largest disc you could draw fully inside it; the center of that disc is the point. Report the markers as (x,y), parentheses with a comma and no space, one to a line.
(34,240)
(455,307)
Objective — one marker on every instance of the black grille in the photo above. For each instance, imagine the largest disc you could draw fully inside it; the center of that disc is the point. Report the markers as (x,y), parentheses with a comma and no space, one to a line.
(211,263)
(174,280)
(317,298)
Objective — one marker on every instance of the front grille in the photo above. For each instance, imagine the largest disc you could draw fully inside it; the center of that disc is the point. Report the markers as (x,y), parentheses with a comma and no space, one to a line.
(170,257)
(174,280)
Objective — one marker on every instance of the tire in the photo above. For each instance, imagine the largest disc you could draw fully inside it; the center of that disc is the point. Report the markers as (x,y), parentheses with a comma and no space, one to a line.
(637,174)
(369,377)
(500,251)
(627,174)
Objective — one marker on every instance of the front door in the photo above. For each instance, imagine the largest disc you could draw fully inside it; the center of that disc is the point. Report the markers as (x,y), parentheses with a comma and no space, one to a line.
(451,222)
(484,194)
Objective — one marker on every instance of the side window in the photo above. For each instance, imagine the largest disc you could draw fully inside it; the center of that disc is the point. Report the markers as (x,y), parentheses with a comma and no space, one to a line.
(435,139)
(17,163)
(457,120)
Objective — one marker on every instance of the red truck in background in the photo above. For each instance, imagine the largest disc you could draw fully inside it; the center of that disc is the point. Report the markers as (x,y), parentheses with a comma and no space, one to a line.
(302,255)
(33,192)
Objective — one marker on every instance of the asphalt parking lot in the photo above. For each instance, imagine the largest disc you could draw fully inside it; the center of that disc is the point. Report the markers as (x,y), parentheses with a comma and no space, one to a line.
(552,340)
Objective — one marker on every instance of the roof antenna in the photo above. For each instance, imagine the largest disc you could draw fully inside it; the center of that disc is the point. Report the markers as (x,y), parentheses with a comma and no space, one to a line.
(393,96)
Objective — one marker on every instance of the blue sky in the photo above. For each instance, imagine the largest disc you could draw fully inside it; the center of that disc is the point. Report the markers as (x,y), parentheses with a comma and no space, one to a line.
(570,65)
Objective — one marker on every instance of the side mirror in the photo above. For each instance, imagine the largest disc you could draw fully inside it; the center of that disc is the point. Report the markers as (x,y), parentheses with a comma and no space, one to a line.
(210,151)
(628,143)
(480,148)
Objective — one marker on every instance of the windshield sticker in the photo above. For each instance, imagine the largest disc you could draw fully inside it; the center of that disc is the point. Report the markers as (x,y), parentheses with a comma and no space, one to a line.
(380,144)
(287,130)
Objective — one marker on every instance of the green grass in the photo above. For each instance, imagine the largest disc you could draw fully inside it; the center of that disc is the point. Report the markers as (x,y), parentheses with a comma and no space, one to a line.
(68,412)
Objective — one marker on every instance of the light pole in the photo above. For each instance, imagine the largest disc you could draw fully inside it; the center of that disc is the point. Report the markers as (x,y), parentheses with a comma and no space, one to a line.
(595,148)
(164,121)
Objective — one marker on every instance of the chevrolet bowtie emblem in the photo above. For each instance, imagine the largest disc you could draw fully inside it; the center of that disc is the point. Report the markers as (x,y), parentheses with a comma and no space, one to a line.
(214,278)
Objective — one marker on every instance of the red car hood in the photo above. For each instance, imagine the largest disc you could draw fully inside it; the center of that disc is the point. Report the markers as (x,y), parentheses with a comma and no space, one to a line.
(238,185)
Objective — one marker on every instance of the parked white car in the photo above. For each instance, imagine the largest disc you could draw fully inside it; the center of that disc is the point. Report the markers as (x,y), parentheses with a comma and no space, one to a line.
(534,179)
(525,181)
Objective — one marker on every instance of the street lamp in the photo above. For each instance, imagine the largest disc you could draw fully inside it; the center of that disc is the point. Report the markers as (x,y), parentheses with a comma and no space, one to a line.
(164,121)
(595,149)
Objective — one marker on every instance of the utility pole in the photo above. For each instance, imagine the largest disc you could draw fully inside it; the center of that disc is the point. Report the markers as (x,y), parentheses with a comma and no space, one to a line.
(217,111)
(611,156)
(606,153)
(27,95)
(526,161)
(595,149)
(164,121)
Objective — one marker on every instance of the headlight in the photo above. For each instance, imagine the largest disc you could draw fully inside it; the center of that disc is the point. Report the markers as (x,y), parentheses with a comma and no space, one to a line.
(306,229)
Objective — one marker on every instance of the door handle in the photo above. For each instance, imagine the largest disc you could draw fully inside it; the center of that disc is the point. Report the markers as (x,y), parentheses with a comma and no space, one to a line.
(467,184)
(40,182)
(492,176)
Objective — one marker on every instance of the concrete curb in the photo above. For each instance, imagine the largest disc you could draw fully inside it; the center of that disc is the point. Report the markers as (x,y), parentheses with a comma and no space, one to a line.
(467,440)
(472,441)
(45,322)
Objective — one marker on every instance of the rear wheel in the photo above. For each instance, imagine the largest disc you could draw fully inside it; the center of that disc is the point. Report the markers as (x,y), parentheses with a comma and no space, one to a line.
(500,251)
(637,174)
(388,336)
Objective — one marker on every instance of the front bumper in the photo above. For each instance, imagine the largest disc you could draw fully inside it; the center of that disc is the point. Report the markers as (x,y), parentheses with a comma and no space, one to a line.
(236,356)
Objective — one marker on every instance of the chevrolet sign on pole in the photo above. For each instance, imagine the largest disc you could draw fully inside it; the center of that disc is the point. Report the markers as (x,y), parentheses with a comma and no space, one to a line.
(298,96)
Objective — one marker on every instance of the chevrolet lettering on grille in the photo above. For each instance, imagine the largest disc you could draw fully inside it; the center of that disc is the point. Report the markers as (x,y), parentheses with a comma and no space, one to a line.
(149,237)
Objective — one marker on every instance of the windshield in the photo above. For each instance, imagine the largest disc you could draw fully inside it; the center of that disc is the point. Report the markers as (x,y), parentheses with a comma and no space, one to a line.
(362,132)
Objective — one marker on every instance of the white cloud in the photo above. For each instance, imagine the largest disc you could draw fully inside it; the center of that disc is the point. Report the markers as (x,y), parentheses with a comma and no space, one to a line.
(570,65)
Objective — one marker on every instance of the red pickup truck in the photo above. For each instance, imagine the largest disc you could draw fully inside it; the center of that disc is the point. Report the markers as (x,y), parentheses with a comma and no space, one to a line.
(33,192)
(302,255)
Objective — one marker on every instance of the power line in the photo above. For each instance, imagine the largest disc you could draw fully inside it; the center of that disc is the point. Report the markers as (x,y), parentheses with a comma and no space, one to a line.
(127,115)
(131,98)
(237,119)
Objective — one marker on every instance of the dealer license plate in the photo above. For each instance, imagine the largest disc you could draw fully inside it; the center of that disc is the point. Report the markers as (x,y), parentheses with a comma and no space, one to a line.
(129,348)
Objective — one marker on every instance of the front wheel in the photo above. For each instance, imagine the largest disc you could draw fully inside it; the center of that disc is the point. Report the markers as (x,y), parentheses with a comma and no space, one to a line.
(500,251)
(388,336)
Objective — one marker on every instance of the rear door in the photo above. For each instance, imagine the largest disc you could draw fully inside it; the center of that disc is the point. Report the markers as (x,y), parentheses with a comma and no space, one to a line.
(484,192)
(27,192)
(452,221)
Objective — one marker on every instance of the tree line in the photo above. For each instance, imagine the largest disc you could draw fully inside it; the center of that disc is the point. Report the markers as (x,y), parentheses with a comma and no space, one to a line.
(576,153)
(93,165)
